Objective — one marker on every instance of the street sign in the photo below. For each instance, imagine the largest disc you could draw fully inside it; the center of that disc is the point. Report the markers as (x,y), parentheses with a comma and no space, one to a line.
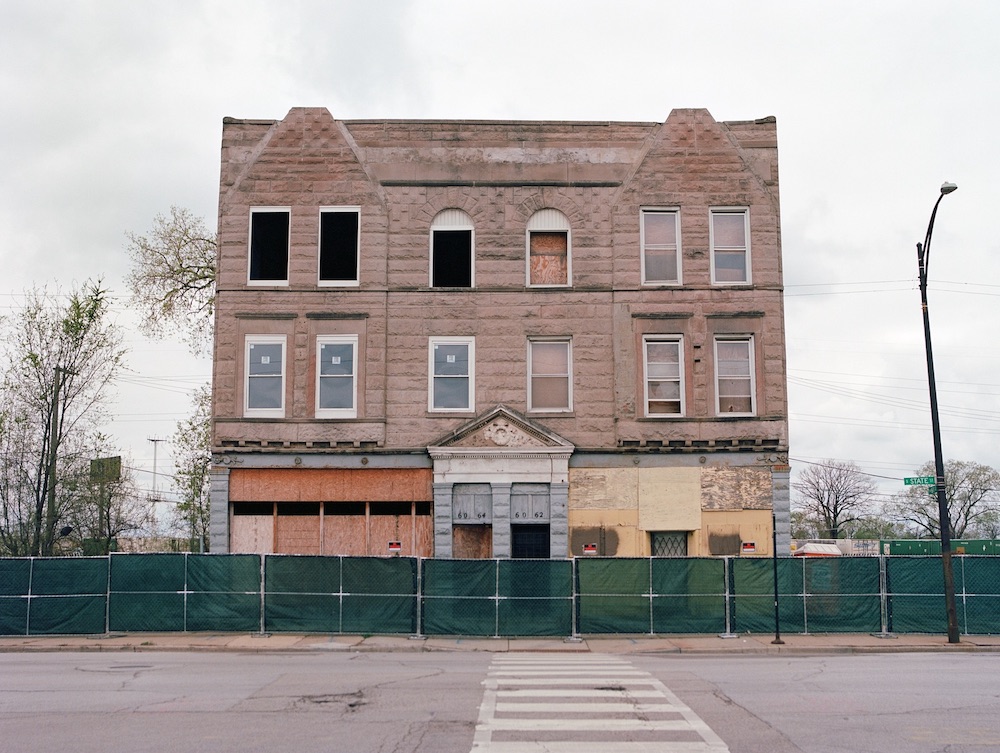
(919,481)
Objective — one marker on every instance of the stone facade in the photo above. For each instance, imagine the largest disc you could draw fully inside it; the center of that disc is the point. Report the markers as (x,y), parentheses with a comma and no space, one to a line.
(578,191)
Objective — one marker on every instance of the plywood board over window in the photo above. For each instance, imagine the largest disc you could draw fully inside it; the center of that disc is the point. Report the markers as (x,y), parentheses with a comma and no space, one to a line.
(549,258)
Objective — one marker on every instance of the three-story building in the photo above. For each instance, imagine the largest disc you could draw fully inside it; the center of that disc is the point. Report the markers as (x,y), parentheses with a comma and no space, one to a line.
(506,339)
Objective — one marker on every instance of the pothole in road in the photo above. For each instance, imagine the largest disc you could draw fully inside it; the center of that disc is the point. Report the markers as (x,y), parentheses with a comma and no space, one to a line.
(350,701)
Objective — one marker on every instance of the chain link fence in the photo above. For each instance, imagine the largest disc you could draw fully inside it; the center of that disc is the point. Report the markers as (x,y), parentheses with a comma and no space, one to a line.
(403,595)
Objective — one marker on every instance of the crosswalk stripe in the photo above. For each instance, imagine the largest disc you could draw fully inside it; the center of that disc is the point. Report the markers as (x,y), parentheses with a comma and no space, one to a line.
(588,708)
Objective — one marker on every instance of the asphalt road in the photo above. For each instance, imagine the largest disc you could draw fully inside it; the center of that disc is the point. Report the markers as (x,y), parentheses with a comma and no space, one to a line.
(440,702)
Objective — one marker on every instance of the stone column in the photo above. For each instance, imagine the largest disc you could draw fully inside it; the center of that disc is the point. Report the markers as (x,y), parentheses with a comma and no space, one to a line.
(559,521)
(501,520)
(218,518)
(442,521)
(781,499)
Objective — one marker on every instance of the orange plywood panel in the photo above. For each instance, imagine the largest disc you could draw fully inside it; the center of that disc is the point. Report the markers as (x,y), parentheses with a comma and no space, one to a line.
(297,534)
(472,542)
(330,484)
(386,528)
(423,528)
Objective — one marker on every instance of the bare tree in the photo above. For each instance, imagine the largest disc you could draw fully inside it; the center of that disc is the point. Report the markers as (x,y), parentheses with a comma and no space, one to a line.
(172,279)
(192,444)
(61,353)
(834,493)
(972,491)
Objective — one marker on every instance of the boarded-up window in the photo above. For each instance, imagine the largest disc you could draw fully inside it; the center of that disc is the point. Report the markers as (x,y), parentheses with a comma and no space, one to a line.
(548,248)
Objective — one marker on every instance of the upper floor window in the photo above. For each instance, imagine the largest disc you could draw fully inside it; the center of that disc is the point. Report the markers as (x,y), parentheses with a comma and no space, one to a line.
(264,383)
(336,376)
(269,234)
(730,241)
(548,249)
(339,245)
(452,250)
(734,376)
(550,377)
(452,375)
(663,359)
(661,247)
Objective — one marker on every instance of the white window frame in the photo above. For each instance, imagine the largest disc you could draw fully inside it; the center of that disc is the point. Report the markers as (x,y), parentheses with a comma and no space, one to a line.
(676,212)
(288,246)
(548,221)
(352,411)
(677,340)
(453,219)
(470,343)
(717,211)
(249,341)
(568,375)
(319,249)
(752,376)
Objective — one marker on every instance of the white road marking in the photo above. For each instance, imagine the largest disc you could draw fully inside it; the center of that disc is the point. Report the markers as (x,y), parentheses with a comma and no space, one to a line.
(552,703)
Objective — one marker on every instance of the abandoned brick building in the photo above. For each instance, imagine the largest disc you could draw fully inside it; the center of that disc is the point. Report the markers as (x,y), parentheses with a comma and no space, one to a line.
(499,339)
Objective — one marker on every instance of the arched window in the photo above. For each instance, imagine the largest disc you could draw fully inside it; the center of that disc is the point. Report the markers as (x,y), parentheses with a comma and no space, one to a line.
(548,249)
(452,250)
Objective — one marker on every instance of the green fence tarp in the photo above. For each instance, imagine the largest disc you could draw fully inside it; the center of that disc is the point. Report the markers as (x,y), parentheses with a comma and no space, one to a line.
(371,595)
(535,597)
(15,580)
(689,595)
(614,596)
(68,596)
(979,604)
(147,592)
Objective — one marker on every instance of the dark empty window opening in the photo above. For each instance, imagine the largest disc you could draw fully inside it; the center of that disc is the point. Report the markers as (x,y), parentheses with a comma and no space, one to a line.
(338,246)
(529,542)
(452,259)
(344,508)
(298,508)
(389,508)
(269,246)
(253,508)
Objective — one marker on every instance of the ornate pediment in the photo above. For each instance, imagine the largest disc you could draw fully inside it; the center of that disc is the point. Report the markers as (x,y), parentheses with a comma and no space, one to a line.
(502,429)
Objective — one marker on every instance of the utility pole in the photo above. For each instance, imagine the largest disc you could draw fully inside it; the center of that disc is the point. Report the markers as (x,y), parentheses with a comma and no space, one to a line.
(156,443)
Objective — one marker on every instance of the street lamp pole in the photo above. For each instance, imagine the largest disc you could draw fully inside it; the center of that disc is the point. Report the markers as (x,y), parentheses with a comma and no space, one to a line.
(923,260)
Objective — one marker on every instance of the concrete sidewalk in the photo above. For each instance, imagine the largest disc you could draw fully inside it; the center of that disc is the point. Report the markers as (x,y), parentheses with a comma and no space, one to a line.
(832,643)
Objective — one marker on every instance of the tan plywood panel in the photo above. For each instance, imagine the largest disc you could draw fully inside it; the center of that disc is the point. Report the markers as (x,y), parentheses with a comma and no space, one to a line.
(345,535)
(669,499)
(603,488)
(252,534)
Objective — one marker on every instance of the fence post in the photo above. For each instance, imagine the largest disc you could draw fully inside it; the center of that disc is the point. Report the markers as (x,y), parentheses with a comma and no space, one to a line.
(107,600)
(263,575)
(651,596)
(186,590)
(727,573)
(418,600)
(883,588)
(496,598)
(574,602)
(27,609)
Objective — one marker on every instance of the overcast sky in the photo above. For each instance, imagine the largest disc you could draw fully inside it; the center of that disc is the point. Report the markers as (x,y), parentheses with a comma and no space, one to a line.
(113,112)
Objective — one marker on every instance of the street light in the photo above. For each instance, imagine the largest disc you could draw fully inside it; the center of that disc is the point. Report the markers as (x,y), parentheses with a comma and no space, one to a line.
(923,260)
